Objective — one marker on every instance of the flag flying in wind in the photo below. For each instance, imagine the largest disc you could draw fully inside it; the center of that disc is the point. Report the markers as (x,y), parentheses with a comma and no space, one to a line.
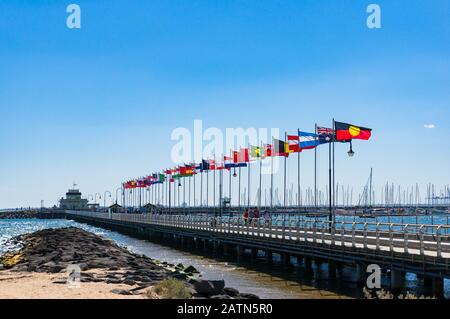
(255,151)
(212,165)
(204,166)
(235,157)
(325,134)
(280,148)
(244,155)
(293,144)
(345,132)
(307,140)
(267,150)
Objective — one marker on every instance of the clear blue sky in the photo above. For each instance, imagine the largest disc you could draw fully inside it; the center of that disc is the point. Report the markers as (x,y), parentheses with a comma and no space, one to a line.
(97,105)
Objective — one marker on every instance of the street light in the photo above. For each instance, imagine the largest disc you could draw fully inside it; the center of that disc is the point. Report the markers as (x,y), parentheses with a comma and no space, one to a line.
(350,152)
(95,197)
(104,198)
(118,189)
(90,195)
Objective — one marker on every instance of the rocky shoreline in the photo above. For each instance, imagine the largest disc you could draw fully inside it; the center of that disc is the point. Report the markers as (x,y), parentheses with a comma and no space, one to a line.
(100,260)
(19,214)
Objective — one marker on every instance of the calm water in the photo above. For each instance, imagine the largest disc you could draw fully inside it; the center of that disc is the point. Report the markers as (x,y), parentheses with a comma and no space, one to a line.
(267,281)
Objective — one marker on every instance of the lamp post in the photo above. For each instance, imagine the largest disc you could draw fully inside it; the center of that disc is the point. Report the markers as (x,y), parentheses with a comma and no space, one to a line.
(117,196)
(104,198)
(95,197)
(90,196)
(350,152)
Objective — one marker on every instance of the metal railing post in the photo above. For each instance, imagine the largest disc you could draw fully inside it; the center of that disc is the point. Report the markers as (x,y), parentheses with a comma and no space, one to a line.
(365,235)
(377,234)
(405,236)
(422,248)
(391,238)
(438,242)
(353,234)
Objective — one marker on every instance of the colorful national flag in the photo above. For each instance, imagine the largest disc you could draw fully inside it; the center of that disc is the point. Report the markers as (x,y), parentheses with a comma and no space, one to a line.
(308,140)
(280,148)
(244,156)
(255,151)
(345,132)
(235,157)
(293,144)
(204,166)
(267,150)
(231,165)
(325,134)
(186,171)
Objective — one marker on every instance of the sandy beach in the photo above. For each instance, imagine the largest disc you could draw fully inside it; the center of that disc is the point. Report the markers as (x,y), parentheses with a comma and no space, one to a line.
(71,263)
(32,285)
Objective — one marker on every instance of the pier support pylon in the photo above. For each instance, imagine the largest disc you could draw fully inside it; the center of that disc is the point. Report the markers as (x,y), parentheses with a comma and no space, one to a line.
(308,264)
(225,249)
(254,254)
(269,256)
(396,280)
(239,252)
(437,286)
(331,269)
(361,274)
(286,259)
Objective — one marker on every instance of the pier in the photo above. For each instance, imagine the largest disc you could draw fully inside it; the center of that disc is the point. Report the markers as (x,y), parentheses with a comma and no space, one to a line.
(401,248)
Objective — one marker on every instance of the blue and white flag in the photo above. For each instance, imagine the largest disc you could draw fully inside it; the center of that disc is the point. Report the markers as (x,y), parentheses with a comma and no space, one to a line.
(308,140)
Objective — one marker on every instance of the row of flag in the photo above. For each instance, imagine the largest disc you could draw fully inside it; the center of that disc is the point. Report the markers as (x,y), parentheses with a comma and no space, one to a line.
(342,132)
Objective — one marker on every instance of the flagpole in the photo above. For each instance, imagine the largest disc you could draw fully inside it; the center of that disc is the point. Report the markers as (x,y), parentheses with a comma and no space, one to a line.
(239,189)
(201,184)
(214,182)
(248,181)
(330,216)
(140,198)
(169,199)
(229,186)
(271,177)
(315,171)
(285,168)
(176,193)
(194,189)
(298,171)
(334,181)
(207,188)
(260,177)
(220,189)
(161,192)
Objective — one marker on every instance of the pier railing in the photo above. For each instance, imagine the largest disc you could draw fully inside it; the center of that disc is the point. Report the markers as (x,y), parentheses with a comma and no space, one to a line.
(413,239)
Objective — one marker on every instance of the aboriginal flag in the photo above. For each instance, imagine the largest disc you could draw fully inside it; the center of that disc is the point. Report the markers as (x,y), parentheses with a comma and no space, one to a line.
(346,131)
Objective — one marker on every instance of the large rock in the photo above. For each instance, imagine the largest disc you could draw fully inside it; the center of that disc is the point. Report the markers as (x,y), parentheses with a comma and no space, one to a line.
(231,291)
(209,287)
(191,269)
(248,296)
(121,292)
